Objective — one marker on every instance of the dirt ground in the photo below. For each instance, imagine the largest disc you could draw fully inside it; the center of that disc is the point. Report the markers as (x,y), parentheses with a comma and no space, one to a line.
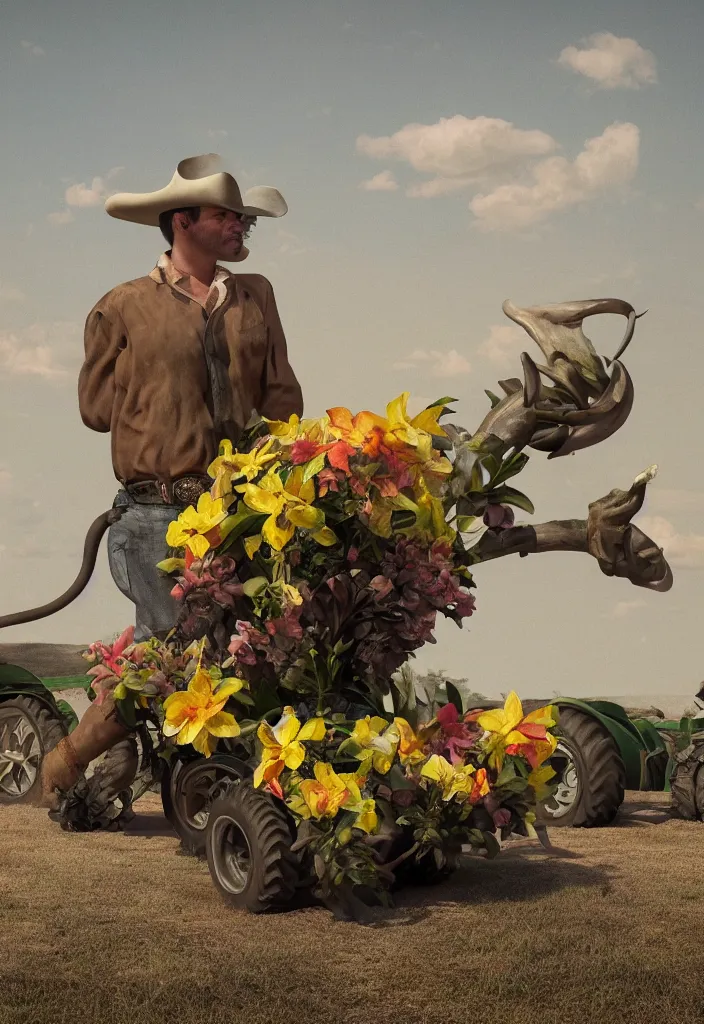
(111,929)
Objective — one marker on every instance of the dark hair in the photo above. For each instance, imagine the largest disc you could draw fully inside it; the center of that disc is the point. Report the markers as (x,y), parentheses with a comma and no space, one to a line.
(166,224)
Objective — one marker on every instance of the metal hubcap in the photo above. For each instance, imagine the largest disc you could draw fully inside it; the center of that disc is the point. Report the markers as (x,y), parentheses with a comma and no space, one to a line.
(567,778)
(232,855)
(20,755)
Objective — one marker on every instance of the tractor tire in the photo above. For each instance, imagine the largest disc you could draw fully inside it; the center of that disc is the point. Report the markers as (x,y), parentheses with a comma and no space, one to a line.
(248,846)
(687,783)
(189,788)
(592,776)
(29,729)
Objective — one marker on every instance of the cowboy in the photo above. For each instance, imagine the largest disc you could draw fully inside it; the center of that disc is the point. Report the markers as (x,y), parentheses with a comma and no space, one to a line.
(177,361)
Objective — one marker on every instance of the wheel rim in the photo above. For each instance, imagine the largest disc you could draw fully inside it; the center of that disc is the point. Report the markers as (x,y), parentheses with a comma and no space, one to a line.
(196,788)
(20,755)
(568,783)
(231,855)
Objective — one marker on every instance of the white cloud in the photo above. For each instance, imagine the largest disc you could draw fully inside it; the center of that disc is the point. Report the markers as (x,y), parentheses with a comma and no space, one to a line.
(81,195)
(463,148)
(606,162)
(32,48)
(504,344)
(623,608)
(47,350)
(60,217)
(10,293)
(439,364)
(522,178)
(612,62)
(384,181)
(682,550)
(86,195)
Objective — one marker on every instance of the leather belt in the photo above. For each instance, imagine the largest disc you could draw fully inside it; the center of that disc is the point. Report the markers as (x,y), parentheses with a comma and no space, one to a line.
(186,490)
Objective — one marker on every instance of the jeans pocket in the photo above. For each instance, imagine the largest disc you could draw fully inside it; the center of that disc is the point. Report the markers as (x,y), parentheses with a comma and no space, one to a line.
(117,559)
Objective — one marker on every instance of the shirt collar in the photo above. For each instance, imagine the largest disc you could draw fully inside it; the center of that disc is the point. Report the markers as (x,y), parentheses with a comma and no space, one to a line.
(166,271)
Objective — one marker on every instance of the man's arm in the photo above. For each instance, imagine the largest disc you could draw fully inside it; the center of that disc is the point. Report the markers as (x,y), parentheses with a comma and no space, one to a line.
(281,392)
(103,340)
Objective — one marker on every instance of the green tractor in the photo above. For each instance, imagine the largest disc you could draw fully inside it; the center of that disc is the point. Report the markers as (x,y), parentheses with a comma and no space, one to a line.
(39,707)
(604,751)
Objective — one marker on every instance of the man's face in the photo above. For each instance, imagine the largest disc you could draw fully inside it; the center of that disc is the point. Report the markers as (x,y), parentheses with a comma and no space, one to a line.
(220,233)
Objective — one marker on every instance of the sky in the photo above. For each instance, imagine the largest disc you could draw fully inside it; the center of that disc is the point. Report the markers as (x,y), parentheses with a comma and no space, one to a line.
(437,157)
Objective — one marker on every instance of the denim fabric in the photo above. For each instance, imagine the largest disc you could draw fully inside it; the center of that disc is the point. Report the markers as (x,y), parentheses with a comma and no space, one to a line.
(135,544)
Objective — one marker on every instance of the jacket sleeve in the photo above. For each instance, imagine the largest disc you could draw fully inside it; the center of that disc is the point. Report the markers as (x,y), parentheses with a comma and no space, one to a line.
(281,392)
(103,340)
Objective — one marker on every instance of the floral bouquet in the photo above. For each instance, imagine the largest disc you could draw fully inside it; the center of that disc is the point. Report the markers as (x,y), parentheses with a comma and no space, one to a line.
(311,571)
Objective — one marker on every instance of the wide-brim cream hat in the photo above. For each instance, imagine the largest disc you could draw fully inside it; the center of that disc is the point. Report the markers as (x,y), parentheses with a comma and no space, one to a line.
(198,181)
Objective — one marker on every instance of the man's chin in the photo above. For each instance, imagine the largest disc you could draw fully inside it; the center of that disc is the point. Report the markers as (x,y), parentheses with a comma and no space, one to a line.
(231,252)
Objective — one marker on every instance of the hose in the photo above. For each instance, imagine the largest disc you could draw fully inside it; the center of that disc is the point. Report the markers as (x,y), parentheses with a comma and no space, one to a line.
(90,554)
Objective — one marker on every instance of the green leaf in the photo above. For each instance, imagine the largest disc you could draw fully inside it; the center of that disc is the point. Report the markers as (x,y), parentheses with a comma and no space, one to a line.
(171,564)
(493,846)
(454,696)
(255,586)
(494,399)
(510,467)
(441,401)
(243,698)
(507,773)
(510,496)
(314,467)
(244,522)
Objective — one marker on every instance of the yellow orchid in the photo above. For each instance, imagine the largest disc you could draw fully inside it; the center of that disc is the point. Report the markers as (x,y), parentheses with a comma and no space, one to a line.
(539,779)
(430,517)
(294,429)
(394,430)
(415,432)
(328,792)
(365,809)
(507,727)
(376,741)
(229,466)
(287,506)
(196,715)
(320,797)
(461,781)
(196,528)
(410,747)
(283,744)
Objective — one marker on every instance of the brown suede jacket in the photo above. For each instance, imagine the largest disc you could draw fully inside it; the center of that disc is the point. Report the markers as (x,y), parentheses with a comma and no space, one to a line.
(170,377)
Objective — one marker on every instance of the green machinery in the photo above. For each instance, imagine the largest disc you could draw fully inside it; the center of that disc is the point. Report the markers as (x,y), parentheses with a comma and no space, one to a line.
(602,751)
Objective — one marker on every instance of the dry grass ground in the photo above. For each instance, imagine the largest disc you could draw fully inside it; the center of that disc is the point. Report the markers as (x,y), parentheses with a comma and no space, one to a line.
(116,929)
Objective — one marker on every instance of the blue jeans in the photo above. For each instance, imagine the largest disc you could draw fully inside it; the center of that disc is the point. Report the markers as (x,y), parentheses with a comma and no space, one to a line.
(135,544)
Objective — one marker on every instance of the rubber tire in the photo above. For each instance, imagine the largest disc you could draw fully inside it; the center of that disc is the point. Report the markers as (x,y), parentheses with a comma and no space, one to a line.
(193,839)
(687,784)
(49,727)
(274,870)
(601,771)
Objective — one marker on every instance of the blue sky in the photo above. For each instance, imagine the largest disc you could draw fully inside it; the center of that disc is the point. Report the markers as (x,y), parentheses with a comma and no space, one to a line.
(381,287)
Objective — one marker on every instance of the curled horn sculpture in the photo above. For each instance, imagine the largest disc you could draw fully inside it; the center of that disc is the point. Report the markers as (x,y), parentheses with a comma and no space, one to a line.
(581,405)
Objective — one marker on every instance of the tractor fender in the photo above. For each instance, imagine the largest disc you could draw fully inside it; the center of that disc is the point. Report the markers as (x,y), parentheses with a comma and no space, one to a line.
(613,718)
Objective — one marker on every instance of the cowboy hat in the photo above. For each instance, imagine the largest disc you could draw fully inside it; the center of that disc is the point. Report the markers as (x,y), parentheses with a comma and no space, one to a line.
(198,181)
